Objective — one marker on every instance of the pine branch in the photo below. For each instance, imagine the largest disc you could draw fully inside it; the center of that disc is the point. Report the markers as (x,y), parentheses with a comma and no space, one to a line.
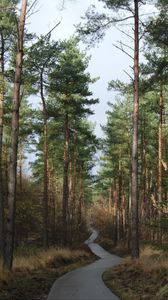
(125,33)
(128,75)
(30,10)
(52,29)
(121,49)
(125,45)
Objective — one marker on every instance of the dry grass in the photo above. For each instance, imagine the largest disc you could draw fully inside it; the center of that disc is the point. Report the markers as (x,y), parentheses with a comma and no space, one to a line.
(153,259)
(145,278)
(44,258)
(33,275)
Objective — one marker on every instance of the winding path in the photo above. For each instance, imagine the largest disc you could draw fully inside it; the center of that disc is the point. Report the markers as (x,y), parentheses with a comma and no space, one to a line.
(86,283)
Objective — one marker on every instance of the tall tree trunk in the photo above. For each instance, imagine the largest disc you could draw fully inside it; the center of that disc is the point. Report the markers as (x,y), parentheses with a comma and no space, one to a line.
(134,188)
(45,178)
(119,199)
(73,191)
(20,169)
(80,202)
(115,197)
(52,186)
(9,243)
(5,178)
(129,207)
(160,152)
(65,208)
(2,92)
(110,198)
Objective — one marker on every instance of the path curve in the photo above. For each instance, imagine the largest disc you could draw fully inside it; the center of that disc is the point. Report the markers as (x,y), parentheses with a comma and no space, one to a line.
(86,283)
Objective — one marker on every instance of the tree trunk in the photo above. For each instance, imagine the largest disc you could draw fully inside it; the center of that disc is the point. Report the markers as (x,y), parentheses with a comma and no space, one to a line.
(20,169)
(134,188)
(6,155)
(110,198)
(73,190)
(115,197)
(9,243)
(1,137)
(160,152)
(45,178)
(80,202)
(119,199)
(65,182)
(45,187)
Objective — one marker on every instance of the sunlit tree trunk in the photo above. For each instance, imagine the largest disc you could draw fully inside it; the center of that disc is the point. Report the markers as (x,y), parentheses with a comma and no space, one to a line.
(1,138)
(9,242)
(143,177)
(21,168)
(134,188)
(6,163)
(160,158)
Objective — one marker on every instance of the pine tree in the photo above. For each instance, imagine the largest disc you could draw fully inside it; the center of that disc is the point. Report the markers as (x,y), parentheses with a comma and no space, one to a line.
(9,243)
(69,85)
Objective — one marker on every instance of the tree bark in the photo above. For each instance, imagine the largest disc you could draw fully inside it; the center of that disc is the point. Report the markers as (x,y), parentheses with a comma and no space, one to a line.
(65,182)
(160,152)
(74,181)
(20,168)
(119,201)
(80,202)
(134,188)
(2,92)
(45,178)
(10,228)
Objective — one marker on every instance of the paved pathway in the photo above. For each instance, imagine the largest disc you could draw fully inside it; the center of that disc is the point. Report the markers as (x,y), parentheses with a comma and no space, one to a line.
(86,283)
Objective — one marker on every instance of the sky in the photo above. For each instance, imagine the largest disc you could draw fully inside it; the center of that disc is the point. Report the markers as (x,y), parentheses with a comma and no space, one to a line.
(106,62)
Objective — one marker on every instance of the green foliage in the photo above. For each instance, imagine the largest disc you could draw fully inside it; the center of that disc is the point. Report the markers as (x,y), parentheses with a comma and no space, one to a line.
(116,4)
(69,82)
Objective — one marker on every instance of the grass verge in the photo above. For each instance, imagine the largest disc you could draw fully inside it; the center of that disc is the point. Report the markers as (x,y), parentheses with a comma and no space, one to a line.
(33,275)
(145,278)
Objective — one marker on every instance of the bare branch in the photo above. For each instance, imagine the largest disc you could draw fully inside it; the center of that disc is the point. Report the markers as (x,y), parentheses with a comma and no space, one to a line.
(55,26)
(33,5)
(111,22)
(32,13)
(121,49)
(125,33)
(125,45)
(121,20)
(128,75)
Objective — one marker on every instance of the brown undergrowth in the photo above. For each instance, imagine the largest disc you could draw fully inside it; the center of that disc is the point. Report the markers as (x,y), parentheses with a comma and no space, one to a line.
(145,278)
(33,275)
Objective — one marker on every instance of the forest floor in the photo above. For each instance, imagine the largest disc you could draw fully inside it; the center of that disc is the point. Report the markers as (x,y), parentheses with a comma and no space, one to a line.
(145,278)
(34,275)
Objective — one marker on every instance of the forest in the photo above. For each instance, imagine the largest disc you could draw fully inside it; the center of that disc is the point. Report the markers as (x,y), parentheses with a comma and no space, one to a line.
(53,205)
